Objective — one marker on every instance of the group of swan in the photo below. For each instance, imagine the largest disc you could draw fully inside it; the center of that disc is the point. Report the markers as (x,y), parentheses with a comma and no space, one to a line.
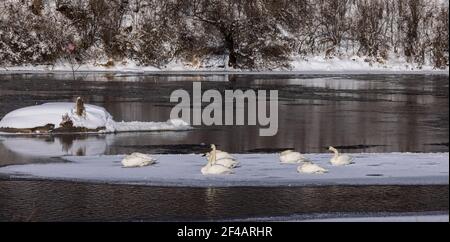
(307,166)
(219,162)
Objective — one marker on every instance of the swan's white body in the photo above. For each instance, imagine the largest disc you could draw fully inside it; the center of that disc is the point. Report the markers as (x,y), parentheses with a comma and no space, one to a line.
(229,163)
(138,160)
(291,157)
(214,167)
(340,159)
(310,168)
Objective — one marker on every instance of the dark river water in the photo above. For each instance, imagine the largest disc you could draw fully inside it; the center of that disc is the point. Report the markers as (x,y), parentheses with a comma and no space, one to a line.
(65,201)
(357,113)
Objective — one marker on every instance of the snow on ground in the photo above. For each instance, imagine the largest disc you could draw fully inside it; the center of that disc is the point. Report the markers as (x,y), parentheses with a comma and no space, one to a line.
(309,64)
(256,170)
(96,117)
(356,63)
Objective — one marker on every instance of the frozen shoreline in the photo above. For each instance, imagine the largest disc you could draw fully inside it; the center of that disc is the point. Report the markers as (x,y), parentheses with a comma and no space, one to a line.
(258,170)
(233,72)
(299,65)
(406,218)
(432,216)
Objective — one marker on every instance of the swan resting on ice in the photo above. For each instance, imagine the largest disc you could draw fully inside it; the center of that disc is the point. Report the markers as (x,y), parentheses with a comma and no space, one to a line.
(310,168)
(306,166)
(229,163)
(212,168)
(220,155)
(222,158)
(292,157)
(340,159)
(137,160)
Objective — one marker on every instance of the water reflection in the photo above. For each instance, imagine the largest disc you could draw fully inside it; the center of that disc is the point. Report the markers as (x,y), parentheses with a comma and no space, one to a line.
(54,146)
(30,148)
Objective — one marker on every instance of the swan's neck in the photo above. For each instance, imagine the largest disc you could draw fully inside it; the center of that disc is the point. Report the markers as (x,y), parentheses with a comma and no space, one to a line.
(213,155)
(336,152)
(210,160)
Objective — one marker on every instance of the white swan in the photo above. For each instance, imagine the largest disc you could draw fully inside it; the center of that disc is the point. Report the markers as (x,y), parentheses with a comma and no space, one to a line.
(310,168)
(340,159)
(290,157)
(137,160)
(229,163)
(212,168)
(220,155)
(222,158)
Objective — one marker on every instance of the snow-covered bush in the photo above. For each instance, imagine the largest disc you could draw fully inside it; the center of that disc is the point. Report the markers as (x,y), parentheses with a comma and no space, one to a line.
(267,51)
(154,43)
(26,36)
(440,40)
(260,34)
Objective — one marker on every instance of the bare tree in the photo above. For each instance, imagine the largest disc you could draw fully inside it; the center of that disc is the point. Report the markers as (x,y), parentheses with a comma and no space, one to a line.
(248,34)
(368,31)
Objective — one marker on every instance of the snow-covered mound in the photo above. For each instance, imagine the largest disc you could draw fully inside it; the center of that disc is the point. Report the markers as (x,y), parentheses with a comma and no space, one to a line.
(255,170)
(95,119)
(51,113)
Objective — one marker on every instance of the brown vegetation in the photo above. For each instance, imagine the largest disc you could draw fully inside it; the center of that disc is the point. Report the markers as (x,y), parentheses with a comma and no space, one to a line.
(259,34)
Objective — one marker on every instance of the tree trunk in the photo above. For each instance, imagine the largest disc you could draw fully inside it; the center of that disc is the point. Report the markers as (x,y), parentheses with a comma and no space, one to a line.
(80,110)
(229,46)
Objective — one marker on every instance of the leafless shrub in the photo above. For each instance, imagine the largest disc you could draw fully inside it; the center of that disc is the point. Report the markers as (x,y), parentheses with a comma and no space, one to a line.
(29,38)
(248,34)
(440,40)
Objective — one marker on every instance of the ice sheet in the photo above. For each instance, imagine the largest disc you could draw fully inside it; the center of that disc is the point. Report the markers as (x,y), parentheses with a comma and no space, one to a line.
(256,170)
(419,218)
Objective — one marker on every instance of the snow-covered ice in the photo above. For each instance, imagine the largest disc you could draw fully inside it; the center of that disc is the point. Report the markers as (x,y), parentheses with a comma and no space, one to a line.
(256,170)
(96,117)
(418,218)
(436,216)
(171,124)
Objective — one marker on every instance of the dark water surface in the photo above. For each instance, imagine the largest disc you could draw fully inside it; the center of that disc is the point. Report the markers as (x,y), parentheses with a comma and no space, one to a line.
(66,201)
(357,113)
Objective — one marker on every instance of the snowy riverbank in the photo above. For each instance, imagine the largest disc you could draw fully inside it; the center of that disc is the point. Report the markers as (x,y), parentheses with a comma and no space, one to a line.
(256,170)
(310,65)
